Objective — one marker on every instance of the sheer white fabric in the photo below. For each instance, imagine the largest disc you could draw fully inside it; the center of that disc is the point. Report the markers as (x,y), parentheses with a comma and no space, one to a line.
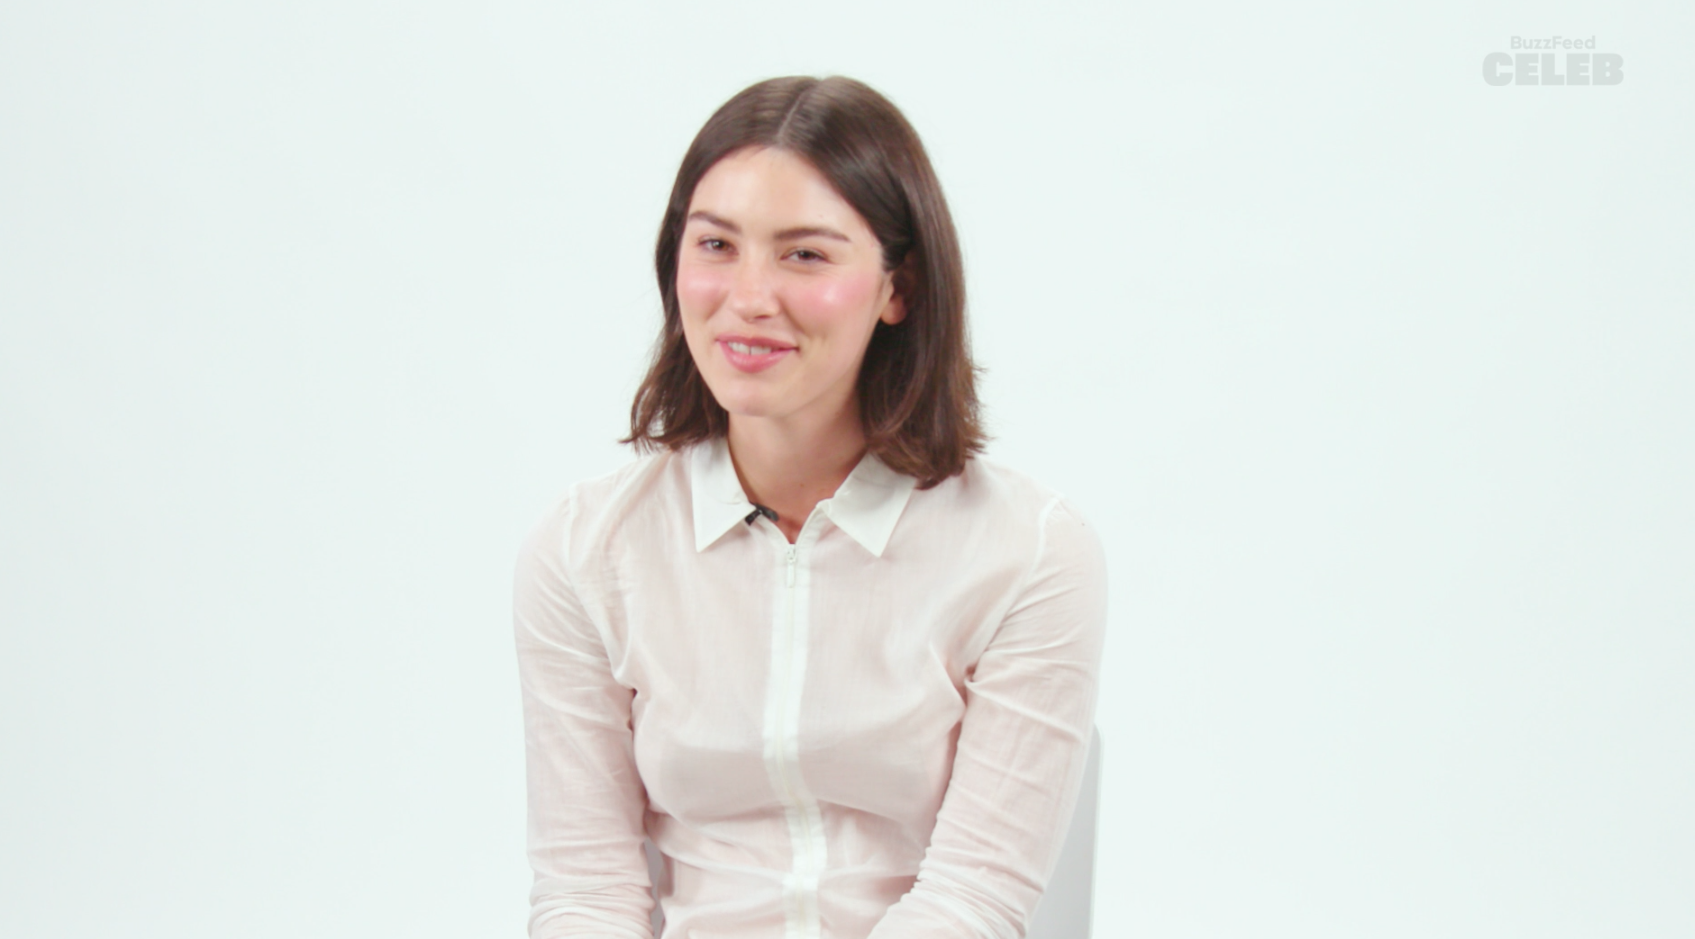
(877,731)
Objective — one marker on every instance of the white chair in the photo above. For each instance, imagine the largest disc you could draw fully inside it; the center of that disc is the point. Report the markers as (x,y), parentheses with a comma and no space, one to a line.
(1066,910)
(655,873)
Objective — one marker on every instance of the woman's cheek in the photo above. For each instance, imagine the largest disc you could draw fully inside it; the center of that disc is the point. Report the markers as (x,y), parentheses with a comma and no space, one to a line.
(835,299)
(699,290)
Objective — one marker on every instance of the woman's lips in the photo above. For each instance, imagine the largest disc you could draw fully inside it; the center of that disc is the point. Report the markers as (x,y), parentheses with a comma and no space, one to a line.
(751,360)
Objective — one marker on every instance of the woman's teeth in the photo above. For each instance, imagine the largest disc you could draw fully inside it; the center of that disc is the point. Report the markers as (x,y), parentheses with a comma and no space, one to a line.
(749,350)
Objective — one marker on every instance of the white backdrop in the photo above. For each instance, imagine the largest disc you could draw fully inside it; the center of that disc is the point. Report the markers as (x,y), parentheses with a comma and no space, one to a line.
(1376,379)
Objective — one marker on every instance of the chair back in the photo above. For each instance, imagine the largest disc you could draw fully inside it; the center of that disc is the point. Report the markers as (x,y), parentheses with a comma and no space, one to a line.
(655,874)
(1066,910)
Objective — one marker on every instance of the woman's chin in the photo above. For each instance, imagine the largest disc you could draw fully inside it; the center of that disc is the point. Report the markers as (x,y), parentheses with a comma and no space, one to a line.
(751,412)
(742,404)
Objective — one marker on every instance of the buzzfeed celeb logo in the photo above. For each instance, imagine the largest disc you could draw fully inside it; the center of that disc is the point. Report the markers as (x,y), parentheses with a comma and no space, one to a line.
(1544,66)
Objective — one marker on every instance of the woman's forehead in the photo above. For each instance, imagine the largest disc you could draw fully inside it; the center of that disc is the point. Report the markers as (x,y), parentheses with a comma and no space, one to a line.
(769,188)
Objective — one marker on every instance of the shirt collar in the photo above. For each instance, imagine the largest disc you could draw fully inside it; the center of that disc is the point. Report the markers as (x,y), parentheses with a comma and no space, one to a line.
(866,506)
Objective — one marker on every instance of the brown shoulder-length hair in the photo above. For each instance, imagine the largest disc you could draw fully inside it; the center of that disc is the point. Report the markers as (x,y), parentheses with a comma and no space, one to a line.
(916,386)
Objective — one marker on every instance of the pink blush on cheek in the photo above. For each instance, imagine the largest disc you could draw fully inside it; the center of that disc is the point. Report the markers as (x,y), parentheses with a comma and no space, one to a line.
(700,288)
(833,299)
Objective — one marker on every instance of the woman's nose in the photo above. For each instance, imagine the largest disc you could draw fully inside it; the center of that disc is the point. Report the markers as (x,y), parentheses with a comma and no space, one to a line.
(753,292)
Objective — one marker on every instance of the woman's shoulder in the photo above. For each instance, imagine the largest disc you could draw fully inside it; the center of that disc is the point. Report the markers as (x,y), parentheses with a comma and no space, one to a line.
(998,502)
(591,508)
(1046,522)
(991,483)
(614,487)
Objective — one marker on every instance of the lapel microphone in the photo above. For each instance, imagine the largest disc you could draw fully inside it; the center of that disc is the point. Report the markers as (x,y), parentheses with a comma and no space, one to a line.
(759,510)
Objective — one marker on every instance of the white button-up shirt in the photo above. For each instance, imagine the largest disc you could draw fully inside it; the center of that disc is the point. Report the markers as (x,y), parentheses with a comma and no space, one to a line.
(876,731)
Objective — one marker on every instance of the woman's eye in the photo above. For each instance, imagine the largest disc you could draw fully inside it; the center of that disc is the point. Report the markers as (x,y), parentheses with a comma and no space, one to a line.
(807,254)
(712,244)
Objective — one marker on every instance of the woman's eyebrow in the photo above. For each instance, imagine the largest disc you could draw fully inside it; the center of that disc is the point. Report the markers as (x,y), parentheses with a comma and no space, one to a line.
(787,234)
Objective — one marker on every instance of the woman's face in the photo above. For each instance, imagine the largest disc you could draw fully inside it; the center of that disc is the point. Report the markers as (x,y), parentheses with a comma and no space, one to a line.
(780,283)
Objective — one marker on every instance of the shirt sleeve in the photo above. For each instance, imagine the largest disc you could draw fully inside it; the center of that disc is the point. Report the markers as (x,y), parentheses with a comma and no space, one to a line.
(1023,742)
(585,797)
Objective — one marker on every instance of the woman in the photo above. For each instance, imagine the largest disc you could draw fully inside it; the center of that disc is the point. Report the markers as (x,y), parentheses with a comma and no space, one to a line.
(838,668)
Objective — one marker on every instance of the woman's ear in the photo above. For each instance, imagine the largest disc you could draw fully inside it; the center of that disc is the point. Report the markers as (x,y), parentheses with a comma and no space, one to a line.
(900,279)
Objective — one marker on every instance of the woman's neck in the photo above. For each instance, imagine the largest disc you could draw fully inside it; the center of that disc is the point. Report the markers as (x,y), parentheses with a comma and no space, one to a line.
(791,469)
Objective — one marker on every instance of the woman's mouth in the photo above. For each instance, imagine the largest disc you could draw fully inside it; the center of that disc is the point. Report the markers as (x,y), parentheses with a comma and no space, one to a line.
(752,356)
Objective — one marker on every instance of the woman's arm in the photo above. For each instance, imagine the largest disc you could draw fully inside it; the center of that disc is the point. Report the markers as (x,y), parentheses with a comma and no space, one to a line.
(585,797)
(1023,741)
